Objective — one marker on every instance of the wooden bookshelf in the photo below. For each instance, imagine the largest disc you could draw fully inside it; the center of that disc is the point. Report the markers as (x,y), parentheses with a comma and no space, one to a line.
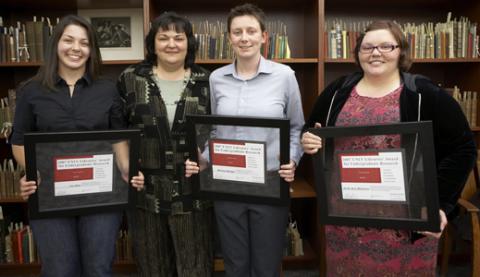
(305,20)
(309,260)
(20,64)
(477,60)
(285,61)
(11,200)
(299,189)
(37,64)
(121,62)
(302,189)
(208,62)
(29,269)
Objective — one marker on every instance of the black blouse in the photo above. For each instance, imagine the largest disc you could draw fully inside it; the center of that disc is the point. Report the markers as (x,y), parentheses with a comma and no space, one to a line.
(94,105)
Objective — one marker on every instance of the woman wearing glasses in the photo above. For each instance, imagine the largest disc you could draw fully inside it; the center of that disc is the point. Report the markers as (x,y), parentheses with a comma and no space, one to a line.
(384,93)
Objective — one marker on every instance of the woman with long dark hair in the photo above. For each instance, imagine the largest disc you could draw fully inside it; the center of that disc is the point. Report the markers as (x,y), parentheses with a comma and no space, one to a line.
(68,94)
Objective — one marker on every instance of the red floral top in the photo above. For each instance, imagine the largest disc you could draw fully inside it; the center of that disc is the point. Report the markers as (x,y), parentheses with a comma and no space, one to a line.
(357,251)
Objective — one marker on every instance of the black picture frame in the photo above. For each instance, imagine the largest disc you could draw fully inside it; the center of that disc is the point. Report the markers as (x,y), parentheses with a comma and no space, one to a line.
(49,147)
(420,179)
(204,186)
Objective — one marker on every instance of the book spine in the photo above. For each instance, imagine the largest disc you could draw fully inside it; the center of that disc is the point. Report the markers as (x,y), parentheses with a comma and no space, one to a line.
(39,40)
(3,234)
(31,43)
(474,109)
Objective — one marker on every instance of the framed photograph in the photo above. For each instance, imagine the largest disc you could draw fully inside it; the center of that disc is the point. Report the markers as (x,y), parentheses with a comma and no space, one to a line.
(81,172)
(119,32)
(381,176)
(239,158)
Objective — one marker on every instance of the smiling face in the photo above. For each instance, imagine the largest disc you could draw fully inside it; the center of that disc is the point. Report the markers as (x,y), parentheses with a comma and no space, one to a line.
(246,37)
(73,49)
(376,63)
(170,47)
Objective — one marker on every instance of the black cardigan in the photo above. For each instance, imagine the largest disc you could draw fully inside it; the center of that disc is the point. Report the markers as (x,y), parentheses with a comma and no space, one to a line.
(455,149)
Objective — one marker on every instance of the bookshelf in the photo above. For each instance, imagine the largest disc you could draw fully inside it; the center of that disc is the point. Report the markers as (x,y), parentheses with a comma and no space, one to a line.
(34,269)
(416,61)
(306,21)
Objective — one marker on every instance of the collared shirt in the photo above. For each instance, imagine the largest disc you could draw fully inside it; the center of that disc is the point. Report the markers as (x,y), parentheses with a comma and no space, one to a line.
(272,92)
(94,105)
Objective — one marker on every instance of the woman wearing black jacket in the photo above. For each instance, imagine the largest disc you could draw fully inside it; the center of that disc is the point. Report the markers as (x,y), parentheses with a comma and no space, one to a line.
(384,93)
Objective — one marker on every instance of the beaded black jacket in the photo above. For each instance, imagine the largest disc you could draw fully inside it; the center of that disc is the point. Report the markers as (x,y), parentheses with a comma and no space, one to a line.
(163,151)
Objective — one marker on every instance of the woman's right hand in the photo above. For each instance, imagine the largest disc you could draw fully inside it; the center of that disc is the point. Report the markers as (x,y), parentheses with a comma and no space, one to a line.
(191,168)
(27,187)
(310,142)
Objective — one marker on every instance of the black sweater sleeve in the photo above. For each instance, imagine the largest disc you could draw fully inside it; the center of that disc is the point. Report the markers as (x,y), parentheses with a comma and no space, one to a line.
(455,148)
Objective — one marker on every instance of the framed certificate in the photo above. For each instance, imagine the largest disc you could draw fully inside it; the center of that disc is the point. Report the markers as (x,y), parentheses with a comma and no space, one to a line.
(239,158)
(81,172)
(381,176)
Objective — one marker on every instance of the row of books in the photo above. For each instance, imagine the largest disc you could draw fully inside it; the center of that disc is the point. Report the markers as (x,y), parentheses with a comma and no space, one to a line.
(17,245)
(455,38)
(212,39)
(3,233)
(25,41)
(16,242)
(9,179)
(340,38)
(294,243)
(468,101)
(7,113)
(123,247)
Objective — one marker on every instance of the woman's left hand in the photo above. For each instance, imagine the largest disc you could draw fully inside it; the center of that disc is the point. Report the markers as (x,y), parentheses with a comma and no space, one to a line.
(138,181)
(443,223)
(287,171)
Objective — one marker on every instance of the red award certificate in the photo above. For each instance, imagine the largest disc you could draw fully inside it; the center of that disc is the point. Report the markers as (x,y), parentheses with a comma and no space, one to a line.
(83,174)
(372,175)
(234,160)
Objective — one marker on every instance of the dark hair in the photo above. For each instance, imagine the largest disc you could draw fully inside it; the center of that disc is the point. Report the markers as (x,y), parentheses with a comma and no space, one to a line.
(247,9)
(48,72)
(171,21)
(404,61)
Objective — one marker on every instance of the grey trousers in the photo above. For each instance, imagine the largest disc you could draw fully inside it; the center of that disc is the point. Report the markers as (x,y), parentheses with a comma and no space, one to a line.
(252,238)
(173,245)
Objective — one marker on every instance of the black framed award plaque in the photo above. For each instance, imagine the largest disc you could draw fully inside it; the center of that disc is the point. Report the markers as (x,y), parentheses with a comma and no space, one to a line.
(81,172)
(239,158)
(381,176)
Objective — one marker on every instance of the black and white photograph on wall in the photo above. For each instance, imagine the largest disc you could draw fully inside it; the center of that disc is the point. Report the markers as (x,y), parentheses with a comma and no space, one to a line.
(112,31)
(119,32)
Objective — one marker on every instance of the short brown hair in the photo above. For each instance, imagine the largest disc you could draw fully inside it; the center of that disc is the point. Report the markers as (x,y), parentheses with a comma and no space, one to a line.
(179,24)
(247,9)
(404,62)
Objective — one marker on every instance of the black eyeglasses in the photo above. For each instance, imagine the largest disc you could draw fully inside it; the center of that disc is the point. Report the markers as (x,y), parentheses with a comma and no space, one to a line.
(382,48)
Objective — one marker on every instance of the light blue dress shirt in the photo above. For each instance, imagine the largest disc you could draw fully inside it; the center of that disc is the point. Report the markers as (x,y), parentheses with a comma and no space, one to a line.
(272,92)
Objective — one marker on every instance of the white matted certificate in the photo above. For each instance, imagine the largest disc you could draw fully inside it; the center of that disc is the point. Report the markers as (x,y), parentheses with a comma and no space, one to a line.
(240,161)
(75,175)
(237,169)
(80,171)
(389,180)
(373,175)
